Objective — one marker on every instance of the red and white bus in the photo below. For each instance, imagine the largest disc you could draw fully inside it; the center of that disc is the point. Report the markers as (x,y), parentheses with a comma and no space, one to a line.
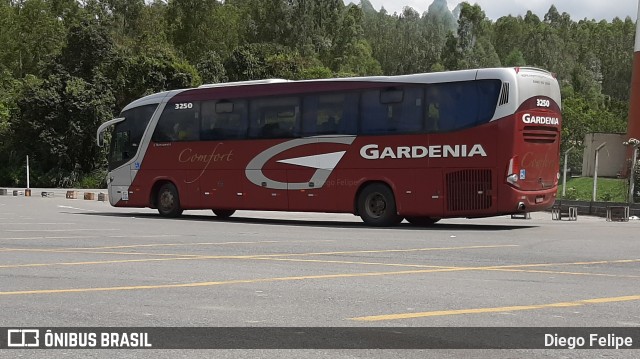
(472,143)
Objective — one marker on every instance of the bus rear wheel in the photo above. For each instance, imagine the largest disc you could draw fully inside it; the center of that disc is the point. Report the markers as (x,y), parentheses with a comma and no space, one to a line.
(224,213)
(377,206)
(422,221)
(169,201)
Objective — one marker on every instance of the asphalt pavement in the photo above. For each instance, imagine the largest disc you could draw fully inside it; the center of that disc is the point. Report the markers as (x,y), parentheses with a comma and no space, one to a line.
(82,263)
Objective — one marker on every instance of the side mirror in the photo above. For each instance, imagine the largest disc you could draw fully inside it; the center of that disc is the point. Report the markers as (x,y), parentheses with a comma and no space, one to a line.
(103,127)
(100,139)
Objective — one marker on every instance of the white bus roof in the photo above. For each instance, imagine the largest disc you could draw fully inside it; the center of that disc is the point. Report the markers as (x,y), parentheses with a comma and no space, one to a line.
(243,83)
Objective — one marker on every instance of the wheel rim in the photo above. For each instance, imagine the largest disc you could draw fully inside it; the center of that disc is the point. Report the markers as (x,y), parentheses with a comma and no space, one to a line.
(376,205)
(167,201)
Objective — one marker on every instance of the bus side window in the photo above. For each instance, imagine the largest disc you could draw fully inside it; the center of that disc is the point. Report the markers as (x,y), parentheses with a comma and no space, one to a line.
(374,114)
(224,119)
(432,112)
(178,122)
(276,117)
(392,110)
(409,116)
(488,93)
(456,104)
(329,114)
(459,105)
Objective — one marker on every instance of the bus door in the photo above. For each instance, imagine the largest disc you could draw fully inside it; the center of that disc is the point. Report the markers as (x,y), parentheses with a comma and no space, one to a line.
(124,155)
(121,151)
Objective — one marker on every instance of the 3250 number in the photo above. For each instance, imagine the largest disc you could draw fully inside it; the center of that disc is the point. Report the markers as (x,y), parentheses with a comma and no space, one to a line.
(544,103)
(184,106)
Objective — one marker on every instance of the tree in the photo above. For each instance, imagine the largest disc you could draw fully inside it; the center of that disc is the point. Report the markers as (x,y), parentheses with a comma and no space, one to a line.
(145,74)
(472,48)
(198,26)
(211,68)
(351,53)
(62,112)
(32,35)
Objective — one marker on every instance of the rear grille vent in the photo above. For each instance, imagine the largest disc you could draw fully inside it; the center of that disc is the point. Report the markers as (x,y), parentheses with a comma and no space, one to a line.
(504,97)
(469,190)
(540,134)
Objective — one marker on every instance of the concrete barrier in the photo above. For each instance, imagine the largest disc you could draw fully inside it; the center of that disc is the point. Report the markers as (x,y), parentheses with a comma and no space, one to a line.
(27,192)
(47,194)
(72,194)
(89,196)
(3,191)
(102,197)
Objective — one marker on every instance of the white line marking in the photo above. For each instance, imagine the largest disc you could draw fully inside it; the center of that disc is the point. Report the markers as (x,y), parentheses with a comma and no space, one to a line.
(78,209)
(65,237)
(63,230)
(147,236)
(34,223)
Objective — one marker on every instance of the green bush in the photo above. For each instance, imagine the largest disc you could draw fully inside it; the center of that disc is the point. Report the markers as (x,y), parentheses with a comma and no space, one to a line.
(571,194)
(95,179)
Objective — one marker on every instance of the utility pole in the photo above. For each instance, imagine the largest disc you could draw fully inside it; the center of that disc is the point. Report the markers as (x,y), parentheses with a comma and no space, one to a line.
(635,143)
(564,180)
(595,171)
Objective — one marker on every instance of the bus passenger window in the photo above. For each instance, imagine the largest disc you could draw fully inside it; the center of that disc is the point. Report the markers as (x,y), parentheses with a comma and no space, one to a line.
(433,117)
(458,105)
(178,122)
(393,110)
(224,119)
(277,117)
(330,114)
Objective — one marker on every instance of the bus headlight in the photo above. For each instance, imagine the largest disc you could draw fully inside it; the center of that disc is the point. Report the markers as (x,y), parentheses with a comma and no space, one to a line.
(513,179)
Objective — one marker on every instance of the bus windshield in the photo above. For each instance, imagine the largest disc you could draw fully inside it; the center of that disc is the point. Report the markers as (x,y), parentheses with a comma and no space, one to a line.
(127,134)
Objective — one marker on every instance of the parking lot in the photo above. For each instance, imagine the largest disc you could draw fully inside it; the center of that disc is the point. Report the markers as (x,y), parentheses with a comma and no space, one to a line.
(83,263)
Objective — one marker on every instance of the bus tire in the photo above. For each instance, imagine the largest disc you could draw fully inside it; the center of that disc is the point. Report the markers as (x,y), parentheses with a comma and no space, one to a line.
(169,201)
(224,213)
(422,221)
(377,206)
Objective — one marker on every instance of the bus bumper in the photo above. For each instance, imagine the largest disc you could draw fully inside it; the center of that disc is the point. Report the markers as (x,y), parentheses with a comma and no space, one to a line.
(518,201)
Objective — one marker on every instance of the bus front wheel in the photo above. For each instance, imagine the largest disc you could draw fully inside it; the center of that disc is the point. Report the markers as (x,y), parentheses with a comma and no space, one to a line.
(169,201)
(422,221)
(224,213)
(377,206)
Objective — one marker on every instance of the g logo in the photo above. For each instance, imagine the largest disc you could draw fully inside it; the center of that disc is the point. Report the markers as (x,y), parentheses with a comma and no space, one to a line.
(324,163)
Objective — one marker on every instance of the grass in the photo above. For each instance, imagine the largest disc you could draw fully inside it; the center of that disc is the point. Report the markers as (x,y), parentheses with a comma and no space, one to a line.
(609,189)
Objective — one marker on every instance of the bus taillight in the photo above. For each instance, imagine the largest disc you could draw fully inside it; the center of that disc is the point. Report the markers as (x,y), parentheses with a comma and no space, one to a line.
(513,171)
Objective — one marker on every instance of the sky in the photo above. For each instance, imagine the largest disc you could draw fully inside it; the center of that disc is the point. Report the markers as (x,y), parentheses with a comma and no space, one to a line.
(578,9)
